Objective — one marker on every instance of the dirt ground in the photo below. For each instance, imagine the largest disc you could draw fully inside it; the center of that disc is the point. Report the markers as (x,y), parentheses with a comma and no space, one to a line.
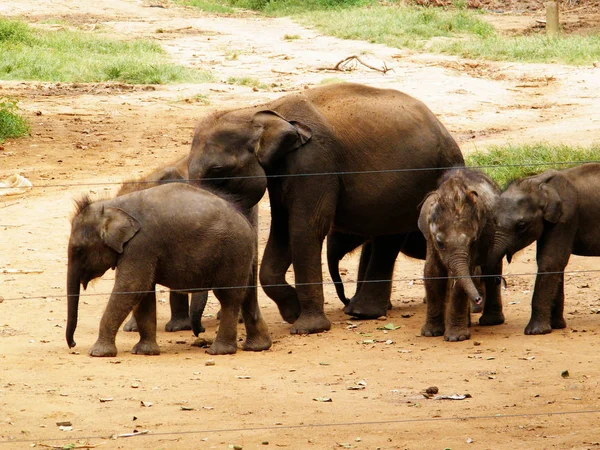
(87,137)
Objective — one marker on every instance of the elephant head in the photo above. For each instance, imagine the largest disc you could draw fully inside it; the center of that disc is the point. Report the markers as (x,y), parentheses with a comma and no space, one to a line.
(98,234)
(231,151)
(522,210)
(452,219)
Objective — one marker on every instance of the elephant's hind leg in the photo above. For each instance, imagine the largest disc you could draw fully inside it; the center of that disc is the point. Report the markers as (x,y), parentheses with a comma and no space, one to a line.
(226,341)
(180,312)
(145,316)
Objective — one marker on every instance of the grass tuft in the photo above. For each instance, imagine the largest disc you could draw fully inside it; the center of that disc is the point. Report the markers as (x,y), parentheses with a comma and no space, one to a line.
(73,56)
(508,163)
(247,81)
(12,125)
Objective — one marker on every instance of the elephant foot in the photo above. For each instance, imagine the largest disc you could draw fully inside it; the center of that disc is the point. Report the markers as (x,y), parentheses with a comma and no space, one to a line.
(536,327)
(103,349)
(222,348)
(146,347)
(289,311)
(457,334)
(310,324)
(257,343)
(364,309)
(488,319)
(476,308)
(178,324)
(131,325)
(431,330)
(558,324)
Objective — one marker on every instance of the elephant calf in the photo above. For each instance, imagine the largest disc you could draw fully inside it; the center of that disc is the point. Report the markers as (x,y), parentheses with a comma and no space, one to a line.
(560,210)
(457,222)
(176,235)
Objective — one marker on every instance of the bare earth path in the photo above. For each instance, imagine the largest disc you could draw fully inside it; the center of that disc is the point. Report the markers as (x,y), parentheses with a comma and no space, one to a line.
(104,133)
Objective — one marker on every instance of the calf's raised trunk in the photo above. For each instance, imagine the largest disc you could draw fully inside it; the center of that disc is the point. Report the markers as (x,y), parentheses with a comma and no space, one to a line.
(73,286)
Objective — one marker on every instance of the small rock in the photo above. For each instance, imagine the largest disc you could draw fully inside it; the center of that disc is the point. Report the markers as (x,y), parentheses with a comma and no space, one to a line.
(265,442)
(146,404)
(476,343)
(565,374)
(107,399)
(65,423)
(135,385)
(432,390)
(209,362)
(323,399)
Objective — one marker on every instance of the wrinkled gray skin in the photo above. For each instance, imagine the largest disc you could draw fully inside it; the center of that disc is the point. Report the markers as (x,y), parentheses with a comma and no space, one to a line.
(175,235)
(180,311)
(560,210)
(458,223)
(330,129)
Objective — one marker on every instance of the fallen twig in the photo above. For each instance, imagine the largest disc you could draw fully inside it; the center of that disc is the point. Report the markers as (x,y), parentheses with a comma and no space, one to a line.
(72,446)
(131,434)
(343,64)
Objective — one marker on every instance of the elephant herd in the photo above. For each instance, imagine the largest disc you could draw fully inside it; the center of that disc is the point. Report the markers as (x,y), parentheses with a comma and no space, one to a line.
(351,163)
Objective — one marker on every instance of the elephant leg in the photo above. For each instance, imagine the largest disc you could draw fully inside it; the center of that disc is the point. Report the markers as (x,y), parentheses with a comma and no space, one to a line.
(257,331)
(457,316)
(373,297)
(338,245)
(547,303)
(197,306)
(226,341)
(277,258)
(363,264)
(557,320)
(145,316)
(492,307)
(180,312)
(117,309)
(436,287)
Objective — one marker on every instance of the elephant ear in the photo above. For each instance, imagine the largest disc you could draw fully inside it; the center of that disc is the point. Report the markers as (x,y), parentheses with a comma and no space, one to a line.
(117,228)
(278,136)
(552,207)
(427,211)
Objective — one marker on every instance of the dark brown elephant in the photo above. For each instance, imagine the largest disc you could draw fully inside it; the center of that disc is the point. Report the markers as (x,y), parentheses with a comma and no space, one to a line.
(560,210)
(175,235)
(457,220)
(346,157)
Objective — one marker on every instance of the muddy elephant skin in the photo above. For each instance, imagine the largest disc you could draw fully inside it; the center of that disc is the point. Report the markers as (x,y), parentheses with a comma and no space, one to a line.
(370,151)
(560,210)
(176,235)
(458,222)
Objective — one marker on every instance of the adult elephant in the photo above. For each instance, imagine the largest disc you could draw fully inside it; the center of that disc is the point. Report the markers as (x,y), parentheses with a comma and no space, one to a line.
(346,157)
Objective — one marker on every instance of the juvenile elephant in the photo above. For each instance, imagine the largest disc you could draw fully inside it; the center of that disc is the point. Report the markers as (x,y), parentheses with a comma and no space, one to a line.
(348,158)
(175,235)
(178,301)
(560,210)
(457,221)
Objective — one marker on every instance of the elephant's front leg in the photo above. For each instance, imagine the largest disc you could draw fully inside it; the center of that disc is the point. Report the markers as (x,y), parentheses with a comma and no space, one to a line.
(492,308)
(457,316)
(180,312)
(373,297)
(277,258)
(145,316)
(436,285)
(119,306)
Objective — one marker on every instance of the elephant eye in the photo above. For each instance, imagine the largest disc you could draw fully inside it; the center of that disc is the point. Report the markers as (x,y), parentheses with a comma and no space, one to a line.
(439,243)
(521,225)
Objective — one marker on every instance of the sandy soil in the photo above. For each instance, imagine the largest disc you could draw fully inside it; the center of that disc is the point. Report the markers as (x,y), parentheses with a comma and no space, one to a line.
(86,137)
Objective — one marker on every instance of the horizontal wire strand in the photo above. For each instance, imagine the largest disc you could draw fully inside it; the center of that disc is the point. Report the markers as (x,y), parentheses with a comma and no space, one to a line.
(292,175)
(322,425)
(322,283)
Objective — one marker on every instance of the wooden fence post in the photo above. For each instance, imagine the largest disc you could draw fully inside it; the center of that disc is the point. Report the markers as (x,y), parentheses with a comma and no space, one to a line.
(552,19)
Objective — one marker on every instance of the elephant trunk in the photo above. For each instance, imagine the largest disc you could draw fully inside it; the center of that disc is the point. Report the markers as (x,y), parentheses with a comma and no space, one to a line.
(500,248)
(459,268)
(73,286)
(334,271)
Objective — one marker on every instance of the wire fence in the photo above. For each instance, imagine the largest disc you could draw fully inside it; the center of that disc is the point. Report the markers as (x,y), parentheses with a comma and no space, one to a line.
(320,283)
(315,174)
(320,425)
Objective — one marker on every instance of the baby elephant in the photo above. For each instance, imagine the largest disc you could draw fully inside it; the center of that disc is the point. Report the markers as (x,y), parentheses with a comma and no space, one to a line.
(560,210)
(176,235)
(457,222)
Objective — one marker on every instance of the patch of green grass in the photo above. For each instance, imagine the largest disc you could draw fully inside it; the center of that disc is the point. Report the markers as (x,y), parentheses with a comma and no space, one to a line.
(291,37)
(70,56)
(331,80)
(211,6)
(247,81)
(12,125)
(507,163)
